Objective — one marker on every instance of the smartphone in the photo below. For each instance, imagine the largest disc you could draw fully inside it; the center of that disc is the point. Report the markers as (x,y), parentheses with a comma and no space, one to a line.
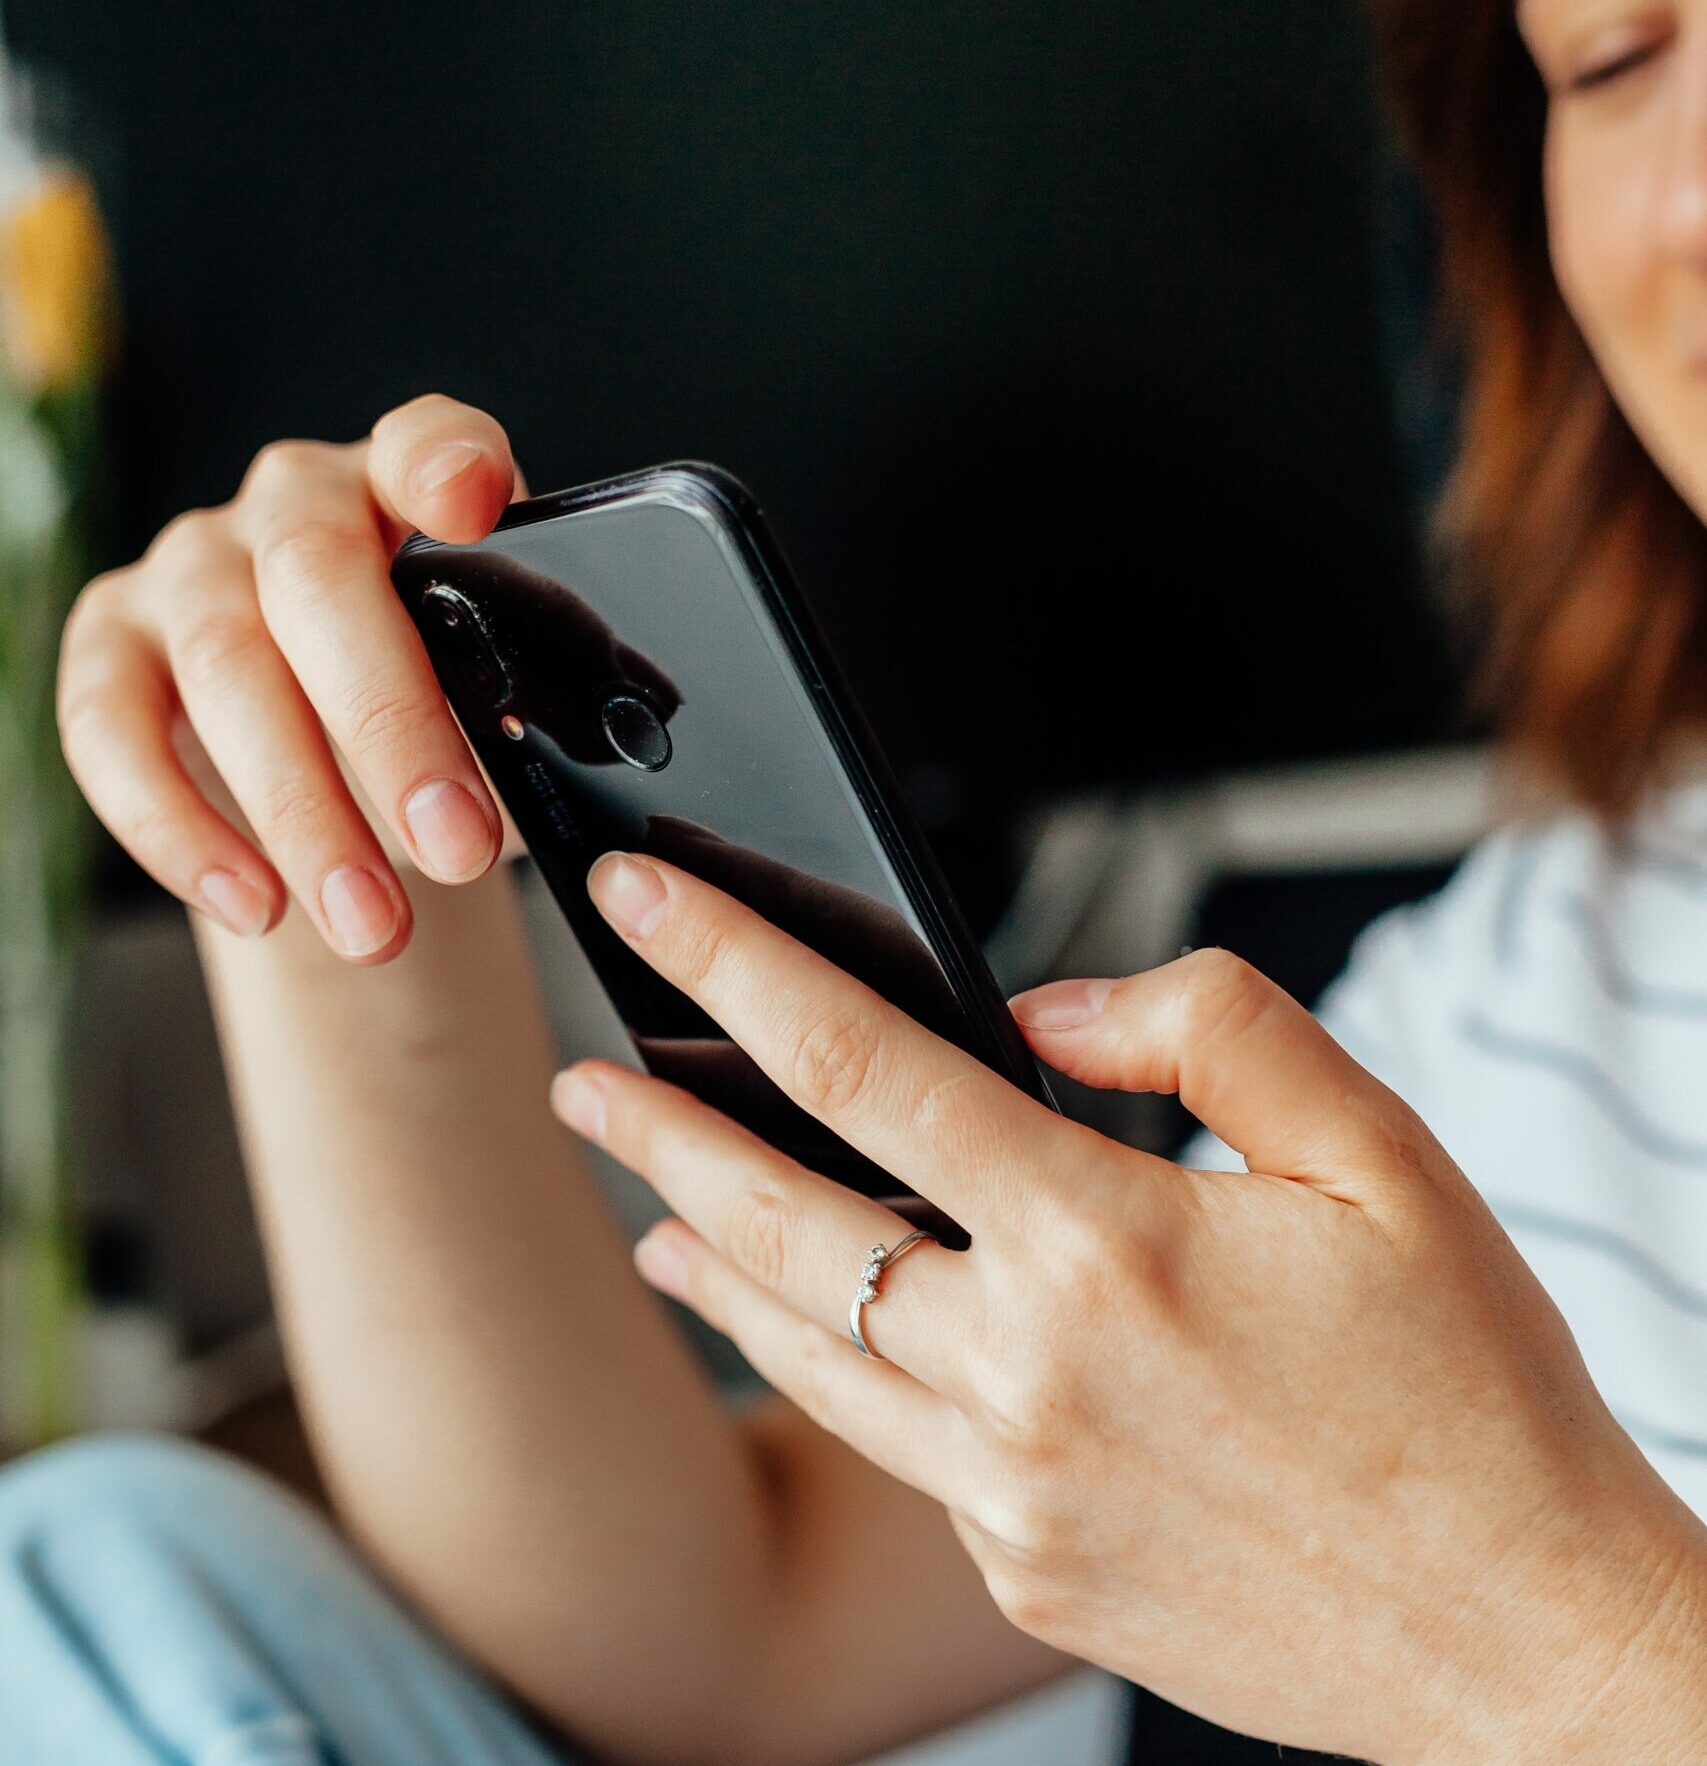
(636,668)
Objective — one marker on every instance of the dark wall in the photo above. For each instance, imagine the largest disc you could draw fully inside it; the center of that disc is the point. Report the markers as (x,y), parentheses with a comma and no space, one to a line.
(1045,333)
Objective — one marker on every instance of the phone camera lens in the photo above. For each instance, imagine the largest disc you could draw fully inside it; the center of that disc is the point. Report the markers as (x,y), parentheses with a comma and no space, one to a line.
(466,649)
(636,731)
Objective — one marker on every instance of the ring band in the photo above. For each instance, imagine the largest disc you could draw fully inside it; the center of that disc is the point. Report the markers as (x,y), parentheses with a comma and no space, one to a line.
(877,1261)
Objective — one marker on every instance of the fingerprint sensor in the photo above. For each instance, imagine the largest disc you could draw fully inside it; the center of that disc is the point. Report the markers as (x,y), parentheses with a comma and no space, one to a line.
(635,730)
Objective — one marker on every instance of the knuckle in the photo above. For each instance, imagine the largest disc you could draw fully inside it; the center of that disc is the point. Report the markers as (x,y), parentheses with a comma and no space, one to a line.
(313,558)
(1418,1176)
(215,650)
(705,1295)
(978,1544)
(1009,1588)
(760,1226)
(809,1374)
(281,465)
(287,809)
(147,826)
(87,720)
(1082,1237)
(1021,1597)
(96,602)
(1029,1522)
(1404,1139)
(1224,995)
(951,1113)
(836,1060)
(1145,1277)
(702,953)
(1014,1392)
(1118,1264)
(187,541)
(649,1140)
(378,716)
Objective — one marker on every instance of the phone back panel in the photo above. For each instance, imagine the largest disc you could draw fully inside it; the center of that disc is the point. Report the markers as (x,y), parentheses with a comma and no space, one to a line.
(652,617)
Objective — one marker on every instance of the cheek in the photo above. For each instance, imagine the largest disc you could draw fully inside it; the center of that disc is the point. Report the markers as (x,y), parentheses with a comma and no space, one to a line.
(1628,298)
(1597,227)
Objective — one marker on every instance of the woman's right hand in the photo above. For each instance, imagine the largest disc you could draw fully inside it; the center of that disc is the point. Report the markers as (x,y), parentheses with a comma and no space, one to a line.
(269,625)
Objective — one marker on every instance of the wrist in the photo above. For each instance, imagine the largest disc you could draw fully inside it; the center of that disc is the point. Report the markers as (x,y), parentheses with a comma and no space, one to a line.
(1607,1661)
(445,919)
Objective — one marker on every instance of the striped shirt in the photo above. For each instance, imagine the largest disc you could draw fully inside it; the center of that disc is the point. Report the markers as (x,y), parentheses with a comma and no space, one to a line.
(1546,1015)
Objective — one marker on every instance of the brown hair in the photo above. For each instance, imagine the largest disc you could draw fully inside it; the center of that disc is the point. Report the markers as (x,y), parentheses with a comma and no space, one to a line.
(1587,567)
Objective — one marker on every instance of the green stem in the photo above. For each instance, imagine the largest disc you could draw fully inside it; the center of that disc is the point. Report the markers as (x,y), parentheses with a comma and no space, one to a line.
(40,1283)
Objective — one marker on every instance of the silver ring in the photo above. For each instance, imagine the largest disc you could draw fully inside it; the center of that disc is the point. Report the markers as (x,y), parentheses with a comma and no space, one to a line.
(877,1261)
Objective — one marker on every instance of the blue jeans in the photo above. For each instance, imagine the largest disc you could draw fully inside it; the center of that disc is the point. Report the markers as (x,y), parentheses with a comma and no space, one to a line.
(163,1606)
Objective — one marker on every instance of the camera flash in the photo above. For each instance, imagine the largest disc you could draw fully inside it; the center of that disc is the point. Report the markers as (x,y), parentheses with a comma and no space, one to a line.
(513,728)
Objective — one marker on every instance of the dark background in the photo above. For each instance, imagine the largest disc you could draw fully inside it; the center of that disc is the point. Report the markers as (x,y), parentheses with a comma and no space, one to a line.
(1049,336)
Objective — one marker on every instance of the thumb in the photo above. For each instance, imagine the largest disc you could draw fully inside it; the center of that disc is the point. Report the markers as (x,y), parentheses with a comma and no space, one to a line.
(441,466)
(1246,1059)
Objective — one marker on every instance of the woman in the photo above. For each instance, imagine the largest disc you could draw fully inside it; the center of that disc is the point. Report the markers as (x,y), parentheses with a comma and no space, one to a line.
(1305,1446)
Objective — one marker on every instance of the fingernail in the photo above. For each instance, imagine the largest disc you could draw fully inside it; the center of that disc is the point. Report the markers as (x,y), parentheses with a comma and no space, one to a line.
(1062,1005)
(629,891)
(580,1100)
(660,1259)
(235,903)
(359,910)
(449,830)
(441,466)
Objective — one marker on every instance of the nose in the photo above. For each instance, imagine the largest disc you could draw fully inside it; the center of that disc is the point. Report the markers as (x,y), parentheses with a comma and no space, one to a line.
(1682,207)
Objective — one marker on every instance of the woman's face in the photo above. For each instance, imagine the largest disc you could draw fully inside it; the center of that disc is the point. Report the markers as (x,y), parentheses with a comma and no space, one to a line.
(1626,189)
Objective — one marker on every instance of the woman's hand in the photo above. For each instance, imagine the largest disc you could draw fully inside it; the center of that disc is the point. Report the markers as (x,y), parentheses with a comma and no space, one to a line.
(270,625)
(1306,1449)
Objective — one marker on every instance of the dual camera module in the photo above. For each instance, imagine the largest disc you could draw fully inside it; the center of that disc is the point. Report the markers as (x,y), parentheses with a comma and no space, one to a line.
(631,724)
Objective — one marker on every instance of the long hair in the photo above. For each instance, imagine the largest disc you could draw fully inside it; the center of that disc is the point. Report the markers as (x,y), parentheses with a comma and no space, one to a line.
(1587,568)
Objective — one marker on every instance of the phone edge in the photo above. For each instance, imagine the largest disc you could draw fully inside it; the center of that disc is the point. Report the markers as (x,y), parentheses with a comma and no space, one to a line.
(904,842)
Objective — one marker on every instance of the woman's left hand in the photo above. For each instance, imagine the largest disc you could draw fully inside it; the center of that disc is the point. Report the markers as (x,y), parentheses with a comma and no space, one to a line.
(1305,1449)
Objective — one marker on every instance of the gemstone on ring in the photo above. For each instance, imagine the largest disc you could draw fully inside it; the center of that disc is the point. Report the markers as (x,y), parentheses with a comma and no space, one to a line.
(878,1259)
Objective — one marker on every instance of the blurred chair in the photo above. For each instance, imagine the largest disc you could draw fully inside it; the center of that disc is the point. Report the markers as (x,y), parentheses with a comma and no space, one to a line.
(1284,866)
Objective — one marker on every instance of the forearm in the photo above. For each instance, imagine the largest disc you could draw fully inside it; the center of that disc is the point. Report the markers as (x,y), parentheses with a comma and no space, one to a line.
(890,1633)
(506,1418)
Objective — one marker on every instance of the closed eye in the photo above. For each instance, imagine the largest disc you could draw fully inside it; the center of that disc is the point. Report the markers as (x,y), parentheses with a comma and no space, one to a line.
(1608,71)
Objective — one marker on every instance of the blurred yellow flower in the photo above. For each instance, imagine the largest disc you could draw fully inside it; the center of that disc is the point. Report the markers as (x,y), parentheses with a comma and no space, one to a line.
(54,283)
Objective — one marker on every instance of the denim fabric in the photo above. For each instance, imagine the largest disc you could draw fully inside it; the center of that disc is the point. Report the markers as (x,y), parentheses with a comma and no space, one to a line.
(163,1606)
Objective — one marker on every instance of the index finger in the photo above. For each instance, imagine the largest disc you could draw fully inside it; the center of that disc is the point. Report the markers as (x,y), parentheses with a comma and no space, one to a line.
(922,1109)
(441,466)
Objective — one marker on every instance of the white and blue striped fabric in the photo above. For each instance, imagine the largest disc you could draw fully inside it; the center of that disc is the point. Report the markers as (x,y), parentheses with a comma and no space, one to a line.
(1546,1015)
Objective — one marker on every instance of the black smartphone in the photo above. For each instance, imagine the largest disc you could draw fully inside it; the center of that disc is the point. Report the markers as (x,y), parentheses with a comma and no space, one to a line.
(636,668)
